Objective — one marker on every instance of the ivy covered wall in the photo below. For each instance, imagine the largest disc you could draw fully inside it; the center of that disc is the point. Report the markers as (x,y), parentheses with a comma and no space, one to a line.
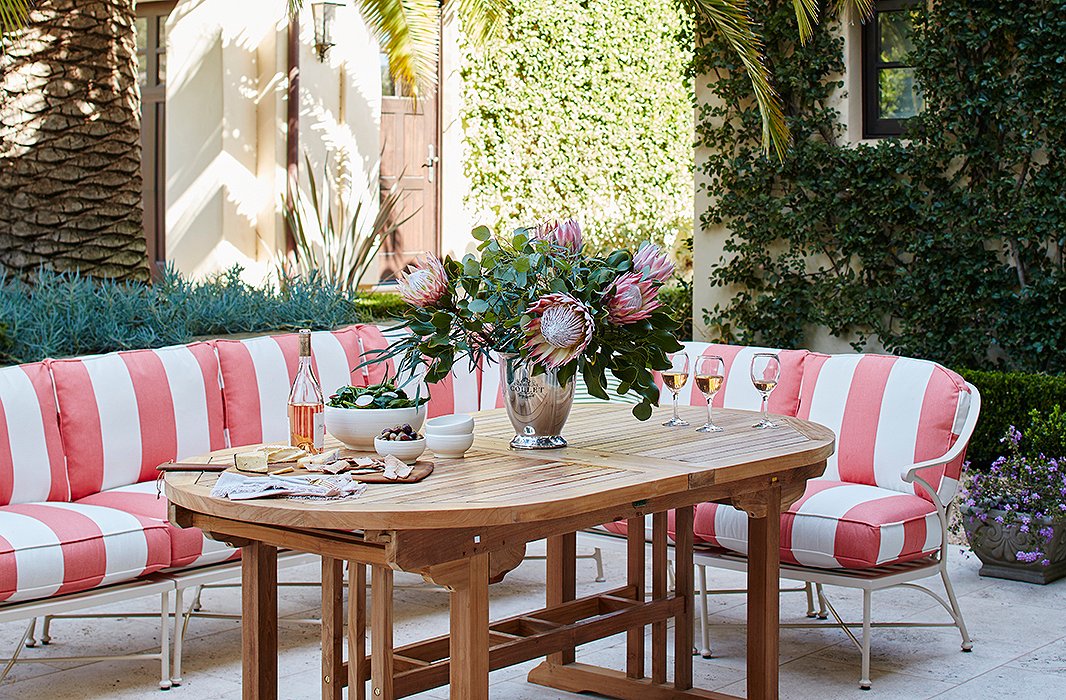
(947,244)
(584,109)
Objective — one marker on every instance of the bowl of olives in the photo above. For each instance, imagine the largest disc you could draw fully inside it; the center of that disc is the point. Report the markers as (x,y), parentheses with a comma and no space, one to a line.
(400,441)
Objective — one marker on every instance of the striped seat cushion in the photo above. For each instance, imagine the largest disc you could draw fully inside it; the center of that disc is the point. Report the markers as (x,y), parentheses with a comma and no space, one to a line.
(835,525)
(737,390)
(49,549)
(124,413)
(888,413)
(188,547)
(459,392)
(257,375)
(32,467)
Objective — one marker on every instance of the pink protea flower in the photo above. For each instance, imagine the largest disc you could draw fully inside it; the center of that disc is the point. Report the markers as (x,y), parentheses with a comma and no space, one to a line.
(632,299)
(653,263)
(559,331)
(566,234)
(424,283)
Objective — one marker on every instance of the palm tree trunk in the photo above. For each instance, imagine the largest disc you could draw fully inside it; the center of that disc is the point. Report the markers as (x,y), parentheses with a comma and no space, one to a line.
(70,144)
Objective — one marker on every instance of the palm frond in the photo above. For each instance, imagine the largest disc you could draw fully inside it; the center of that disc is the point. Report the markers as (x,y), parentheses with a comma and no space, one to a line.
(806,17)
(13,14)
(862,9)
(730,20)
(409,34)
(482,19)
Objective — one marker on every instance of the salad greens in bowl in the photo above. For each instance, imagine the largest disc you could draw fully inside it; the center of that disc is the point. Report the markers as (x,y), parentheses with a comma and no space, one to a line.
(383,395)
(355,415)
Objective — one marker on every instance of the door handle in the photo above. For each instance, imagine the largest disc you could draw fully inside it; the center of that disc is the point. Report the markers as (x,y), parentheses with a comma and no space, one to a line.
(431,162)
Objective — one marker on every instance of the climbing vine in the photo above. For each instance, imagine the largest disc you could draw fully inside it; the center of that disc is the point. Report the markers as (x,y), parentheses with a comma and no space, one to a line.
(946,244)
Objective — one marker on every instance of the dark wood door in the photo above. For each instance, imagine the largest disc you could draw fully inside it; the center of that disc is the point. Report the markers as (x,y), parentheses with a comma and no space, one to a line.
(151,33)
(410,142)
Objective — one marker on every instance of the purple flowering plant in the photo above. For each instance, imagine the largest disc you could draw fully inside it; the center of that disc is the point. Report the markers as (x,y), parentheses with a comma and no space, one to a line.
(1022,490)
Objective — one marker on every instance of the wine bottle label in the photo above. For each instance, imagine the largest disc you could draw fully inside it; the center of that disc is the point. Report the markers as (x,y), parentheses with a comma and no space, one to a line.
(320,431)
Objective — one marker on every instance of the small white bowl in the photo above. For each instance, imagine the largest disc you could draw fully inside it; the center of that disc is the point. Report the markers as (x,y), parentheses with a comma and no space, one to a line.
(455,424)
(357,427)
(407,450)
(449,446)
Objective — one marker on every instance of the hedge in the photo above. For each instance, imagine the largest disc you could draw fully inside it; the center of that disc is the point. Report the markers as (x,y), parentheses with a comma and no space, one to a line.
(65,314)
(1008,399)
(585,108)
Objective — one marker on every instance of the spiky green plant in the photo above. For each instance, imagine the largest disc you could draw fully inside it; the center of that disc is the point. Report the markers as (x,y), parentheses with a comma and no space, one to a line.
(336,237)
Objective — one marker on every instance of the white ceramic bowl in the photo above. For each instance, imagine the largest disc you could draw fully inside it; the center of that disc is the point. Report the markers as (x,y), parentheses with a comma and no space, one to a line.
(455,424)
(407,450)
(357,427)
(449,446)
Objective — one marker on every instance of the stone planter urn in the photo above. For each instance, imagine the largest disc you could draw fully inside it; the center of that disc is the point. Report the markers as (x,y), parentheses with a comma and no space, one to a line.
(997,546)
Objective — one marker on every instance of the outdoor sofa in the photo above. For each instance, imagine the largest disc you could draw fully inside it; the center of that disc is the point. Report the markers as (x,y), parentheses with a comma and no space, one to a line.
(82,523)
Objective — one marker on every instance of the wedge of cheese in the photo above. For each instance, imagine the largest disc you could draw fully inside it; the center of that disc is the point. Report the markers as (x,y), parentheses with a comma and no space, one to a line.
(254,462)
(276,454)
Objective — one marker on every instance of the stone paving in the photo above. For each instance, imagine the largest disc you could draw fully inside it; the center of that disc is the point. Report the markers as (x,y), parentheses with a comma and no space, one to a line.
(1019,633)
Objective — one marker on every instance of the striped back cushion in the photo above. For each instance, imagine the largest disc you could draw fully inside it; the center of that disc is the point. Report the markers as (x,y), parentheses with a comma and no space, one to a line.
(888,413)
(257,375)
(32,466)
(737,391)
(459,392)
(124,413)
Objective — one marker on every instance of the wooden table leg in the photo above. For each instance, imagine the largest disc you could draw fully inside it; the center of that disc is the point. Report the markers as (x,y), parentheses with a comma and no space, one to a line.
(635,543)
(684,587)
(562,580)
(381,633)
(658,592)
(259,621)
(764,541)
(332,628)
(469,644)
(356,631)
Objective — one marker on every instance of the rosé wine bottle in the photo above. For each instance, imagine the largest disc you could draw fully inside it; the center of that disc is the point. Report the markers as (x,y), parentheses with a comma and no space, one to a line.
(307,427)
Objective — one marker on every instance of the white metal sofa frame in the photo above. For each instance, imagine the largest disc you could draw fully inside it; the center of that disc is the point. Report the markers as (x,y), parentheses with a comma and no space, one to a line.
(880,578)
(165,584)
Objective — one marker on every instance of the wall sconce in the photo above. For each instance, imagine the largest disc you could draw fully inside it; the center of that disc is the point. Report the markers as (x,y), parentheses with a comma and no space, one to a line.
(324,13)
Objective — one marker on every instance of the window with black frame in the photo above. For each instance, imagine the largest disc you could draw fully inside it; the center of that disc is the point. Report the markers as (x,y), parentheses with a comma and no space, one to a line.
(890,92)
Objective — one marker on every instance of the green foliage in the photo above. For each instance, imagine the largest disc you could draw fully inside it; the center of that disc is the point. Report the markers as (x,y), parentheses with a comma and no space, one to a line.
(66,314)
(380,306)
(1010,399)
(1046,433)
(585,107)
(948,245)
(677,298)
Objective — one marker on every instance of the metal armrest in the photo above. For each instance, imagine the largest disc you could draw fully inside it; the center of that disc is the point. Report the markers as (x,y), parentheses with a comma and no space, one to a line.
(910,473)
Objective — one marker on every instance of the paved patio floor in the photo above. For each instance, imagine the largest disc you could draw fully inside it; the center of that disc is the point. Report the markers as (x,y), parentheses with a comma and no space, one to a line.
(1019,651)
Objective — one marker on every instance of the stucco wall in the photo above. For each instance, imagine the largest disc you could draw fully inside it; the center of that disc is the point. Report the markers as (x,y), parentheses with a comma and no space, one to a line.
(226,110)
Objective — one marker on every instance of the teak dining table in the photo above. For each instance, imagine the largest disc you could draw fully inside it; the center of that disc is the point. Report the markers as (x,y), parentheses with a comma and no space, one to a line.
(469,522)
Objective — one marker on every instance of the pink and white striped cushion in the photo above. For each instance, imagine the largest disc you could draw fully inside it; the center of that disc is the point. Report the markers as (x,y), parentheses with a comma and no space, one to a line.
(459,392)
(835,525)
(888,413)
(737,391)
(257,375)
(32,466)
(124,413)
(49,549)
(188,546)
(491,383)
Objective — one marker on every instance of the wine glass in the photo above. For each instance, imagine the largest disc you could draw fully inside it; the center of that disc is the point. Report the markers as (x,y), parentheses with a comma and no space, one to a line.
(765,373)
(710,375)
(674,379)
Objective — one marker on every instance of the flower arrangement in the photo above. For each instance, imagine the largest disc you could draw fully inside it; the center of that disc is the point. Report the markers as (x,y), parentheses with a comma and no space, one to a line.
(539,295)
(1022,492)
